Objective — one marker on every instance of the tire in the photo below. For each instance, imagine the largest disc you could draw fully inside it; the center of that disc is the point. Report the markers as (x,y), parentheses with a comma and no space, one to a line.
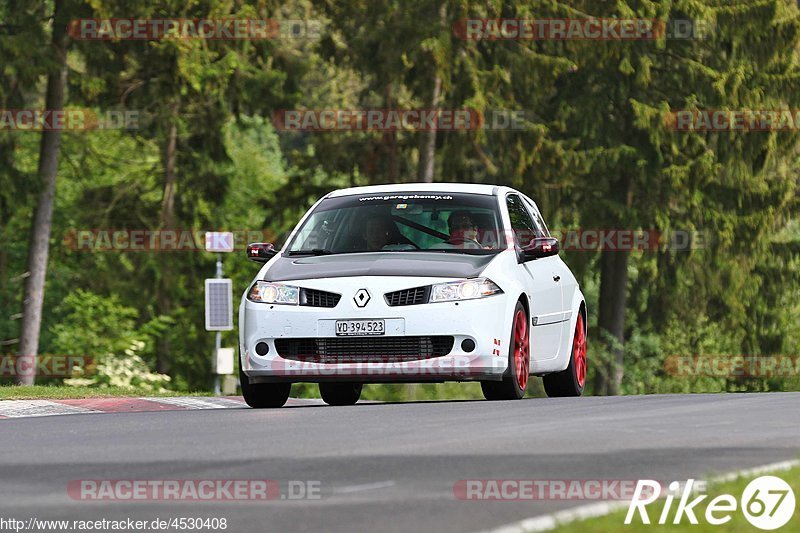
(340,393)
(264,395)
(570,382)
(515,380)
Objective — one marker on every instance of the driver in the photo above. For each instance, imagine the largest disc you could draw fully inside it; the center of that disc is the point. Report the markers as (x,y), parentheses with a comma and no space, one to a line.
(463,230)
(377,232)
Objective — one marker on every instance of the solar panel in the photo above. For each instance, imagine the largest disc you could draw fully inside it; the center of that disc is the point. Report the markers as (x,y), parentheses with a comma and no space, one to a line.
(219,305)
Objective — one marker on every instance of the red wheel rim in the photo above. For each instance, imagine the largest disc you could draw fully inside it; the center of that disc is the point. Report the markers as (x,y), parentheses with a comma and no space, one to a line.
(522,358)
(579,351)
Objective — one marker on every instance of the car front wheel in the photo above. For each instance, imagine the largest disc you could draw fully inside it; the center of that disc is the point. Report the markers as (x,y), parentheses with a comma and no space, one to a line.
(262,395)
(340,393)
(515,380)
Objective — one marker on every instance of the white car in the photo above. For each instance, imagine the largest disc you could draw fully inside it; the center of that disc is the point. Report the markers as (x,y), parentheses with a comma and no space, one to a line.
(413,282)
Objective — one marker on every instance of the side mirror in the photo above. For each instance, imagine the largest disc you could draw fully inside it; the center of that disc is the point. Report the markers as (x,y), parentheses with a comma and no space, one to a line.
(261,252)
(540,247)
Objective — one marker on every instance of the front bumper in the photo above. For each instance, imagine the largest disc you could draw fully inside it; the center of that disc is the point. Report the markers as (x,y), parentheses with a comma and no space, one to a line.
(484,321)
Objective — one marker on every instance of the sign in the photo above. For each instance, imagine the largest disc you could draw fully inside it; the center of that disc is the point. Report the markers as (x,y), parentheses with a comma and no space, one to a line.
(219,241)
(224,363)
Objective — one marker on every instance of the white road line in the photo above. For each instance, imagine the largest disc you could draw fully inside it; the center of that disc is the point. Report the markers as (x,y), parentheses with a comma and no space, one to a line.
(757,470)
(550,521)
(26,408)
(307,401)
(198,402)
(367,486)
(29,408)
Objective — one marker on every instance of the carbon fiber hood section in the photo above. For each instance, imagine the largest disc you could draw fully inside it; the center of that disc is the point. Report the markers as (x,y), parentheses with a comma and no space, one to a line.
(409,264)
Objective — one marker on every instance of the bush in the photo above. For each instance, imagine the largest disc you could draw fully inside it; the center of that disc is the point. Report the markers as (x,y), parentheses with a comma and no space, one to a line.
(102,327)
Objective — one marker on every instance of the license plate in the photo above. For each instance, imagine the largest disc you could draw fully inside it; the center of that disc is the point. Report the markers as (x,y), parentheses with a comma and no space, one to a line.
(360,327)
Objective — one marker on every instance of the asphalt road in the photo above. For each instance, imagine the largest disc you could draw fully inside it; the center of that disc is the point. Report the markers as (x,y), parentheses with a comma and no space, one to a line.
(387,467)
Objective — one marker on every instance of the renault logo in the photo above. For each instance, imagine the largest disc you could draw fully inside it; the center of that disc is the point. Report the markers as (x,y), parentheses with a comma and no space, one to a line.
(362,297)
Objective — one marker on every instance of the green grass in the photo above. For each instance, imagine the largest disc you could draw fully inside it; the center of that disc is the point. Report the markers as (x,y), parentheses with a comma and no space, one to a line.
(53,392)
(738,523)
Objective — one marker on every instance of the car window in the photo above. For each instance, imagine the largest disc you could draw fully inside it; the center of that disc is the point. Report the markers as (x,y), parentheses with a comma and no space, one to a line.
(537,218)
(522,223)
(316,231)
(402,223)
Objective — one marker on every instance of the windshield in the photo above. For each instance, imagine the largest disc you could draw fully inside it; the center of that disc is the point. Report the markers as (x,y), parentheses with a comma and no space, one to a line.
(408,222)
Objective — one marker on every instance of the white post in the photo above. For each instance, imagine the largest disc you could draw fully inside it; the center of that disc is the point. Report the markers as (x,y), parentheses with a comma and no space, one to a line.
(218,338)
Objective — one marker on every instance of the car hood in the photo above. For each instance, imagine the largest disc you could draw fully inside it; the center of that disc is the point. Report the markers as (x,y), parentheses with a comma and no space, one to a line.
(407,264)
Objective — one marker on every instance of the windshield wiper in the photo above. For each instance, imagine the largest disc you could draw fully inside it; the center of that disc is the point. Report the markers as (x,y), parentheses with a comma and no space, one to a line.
(313,251)
(469,251)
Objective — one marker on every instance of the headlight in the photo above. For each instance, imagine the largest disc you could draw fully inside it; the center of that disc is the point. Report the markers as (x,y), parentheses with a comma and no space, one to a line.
(469,289)
(274,293)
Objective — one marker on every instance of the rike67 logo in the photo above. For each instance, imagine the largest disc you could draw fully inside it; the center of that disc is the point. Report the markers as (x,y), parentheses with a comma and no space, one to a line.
(767,502)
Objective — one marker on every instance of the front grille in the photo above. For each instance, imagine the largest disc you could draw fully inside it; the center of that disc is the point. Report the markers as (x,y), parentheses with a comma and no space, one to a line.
(315,298)
(415,296)
(364,349)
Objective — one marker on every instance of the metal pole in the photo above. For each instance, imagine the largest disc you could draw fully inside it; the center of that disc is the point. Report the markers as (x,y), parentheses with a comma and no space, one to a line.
(217,338)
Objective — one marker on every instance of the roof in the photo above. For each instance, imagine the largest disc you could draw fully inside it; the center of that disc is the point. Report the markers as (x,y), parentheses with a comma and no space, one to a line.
(395,188)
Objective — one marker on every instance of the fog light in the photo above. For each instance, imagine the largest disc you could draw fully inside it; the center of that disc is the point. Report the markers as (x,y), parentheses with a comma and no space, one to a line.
(468,345)
(262,348)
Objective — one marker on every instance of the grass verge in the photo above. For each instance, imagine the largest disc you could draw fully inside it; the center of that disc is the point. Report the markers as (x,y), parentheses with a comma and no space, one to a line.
(60,392)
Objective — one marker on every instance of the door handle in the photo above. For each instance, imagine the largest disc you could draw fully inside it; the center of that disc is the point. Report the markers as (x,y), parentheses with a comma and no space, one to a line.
(556,278)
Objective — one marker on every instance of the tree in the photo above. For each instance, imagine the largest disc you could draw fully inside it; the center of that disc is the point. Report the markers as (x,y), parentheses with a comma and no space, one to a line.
(39,244)
(23,23)
(645,175)
(187,91)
